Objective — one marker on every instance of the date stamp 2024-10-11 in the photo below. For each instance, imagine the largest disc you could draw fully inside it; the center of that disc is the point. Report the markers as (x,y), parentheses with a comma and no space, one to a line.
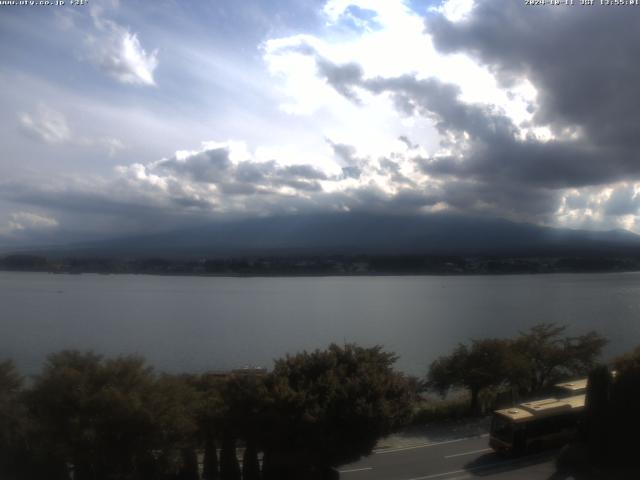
(582,3)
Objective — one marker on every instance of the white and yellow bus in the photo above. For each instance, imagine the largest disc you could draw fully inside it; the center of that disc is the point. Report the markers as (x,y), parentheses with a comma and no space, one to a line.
(539,424)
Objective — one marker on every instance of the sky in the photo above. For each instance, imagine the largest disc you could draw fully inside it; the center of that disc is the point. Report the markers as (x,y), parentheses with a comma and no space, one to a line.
(122,117)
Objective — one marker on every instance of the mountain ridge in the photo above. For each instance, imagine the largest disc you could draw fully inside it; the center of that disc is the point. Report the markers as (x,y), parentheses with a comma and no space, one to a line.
(357,233)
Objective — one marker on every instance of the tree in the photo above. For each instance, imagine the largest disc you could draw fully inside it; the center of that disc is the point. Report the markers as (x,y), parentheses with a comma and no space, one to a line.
(113,418)
(210,419)
(532,362)
(542,356)
(243,397)
(329,407)
(483,364)
(14,451)
(174,405)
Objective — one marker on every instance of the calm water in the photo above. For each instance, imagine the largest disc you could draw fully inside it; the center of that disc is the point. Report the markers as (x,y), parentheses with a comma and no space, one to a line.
(198,323)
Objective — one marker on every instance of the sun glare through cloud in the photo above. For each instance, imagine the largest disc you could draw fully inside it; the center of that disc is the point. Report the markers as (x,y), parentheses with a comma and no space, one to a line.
(430,99)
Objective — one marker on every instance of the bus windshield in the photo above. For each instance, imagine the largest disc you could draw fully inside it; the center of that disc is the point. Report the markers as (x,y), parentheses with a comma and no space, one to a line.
(501,428)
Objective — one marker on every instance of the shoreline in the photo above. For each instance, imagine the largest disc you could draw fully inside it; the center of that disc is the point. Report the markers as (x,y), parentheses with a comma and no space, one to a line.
(331,275)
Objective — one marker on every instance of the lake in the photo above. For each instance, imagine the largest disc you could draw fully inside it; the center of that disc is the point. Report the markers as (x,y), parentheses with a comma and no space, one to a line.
(200,323)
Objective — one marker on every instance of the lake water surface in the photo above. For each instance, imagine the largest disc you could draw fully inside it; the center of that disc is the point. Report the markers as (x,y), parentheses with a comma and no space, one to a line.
(200,323)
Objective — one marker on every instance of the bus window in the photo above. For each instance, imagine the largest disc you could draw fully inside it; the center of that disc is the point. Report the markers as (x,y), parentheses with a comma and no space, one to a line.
(502,428)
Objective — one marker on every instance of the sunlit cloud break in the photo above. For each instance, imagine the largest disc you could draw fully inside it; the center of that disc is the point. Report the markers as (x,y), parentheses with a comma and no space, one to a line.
(350,105)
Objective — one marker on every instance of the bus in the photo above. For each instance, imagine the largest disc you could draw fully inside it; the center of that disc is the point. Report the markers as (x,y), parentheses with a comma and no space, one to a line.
(539,424)
(571,389)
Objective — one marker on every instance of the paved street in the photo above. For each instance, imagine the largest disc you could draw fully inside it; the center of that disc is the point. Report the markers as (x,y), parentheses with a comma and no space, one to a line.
(461,458)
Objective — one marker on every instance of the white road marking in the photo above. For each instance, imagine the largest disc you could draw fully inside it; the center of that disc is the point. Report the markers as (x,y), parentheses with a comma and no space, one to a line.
(352,470)
(469,453)
(481,467)
(425,445)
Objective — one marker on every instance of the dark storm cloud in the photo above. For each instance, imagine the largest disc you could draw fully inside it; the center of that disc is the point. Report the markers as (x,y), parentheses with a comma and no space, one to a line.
(346,153)
(583,64)
(210,166)
(304,171)
(505,200)
(491,169)
(582,60)
(74,199)
(341,77)
(214,167)
(182,190)
(392,170)
(439,101)
(492,149)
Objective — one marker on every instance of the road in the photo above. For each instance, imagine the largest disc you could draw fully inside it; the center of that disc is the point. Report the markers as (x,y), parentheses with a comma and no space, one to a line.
(463,458)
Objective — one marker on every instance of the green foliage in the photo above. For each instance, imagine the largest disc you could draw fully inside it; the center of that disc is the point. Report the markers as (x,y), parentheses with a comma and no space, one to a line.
(94,412)
(329,407)
(542,356)
(10,380)
(14,424)
(530,363)
(111,418)
(116,419)
(483,364)
(437,411)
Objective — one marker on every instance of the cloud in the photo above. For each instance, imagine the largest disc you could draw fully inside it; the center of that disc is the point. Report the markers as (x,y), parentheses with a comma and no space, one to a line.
(484,154)
(476,107)
(343,78)
(583,86)
(51,126)
(455,10)
(119,53)
(46,125)
(224,180)
(24,222)
(612,206)
(214,169)
(521,122)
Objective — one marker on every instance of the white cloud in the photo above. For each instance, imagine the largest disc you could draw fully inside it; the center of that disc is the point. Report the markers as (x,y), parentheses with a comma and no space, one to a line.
(456,10)
(46,124)
(27,221)
(227,178)
(610,206)
(119,53)
(51,126)
(112,145)
(400,46)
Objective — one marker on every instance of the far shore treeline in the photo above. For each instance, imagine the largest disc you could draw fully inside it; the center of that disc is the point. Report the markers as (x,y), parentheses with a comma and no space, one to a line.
(284,265)
(89,417)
